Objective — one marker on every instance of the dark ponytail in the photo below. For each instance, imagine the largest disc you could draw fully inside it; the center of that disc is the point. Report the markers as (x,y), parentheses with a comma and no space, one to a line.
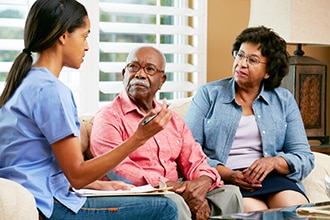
(46,22)
(18,71)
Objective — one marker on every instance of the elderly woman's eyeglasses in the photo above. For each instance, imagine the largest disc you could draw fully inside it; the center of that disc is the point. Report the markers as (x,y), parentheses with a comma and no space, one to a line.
(252,60)
(148,69)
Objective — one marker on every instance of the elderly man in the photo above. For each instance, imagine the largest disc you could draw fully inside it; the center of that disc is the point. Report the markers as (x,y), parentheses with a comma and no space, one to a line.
(202,193)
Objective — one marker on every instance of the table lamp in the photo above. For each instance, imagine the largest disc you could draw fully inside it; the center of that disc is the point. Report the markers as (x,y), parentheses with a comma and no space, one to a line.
(301,22)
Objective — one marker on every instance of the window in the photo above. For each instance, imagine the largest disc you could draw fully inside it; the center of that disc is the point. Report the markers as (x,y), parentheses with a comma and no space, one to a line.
(12,19)
(176,27)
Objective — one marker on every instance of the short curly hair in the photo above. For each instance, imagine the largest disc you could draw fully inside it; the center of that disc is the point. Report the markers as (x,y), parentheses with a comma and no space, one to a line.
(273,47)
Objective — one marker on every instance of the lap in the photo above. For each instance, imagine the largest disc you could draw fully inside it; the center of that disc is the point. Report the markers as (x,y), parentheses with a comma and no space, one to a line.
(225,200)
(183,209)
(273,183)
(120,207)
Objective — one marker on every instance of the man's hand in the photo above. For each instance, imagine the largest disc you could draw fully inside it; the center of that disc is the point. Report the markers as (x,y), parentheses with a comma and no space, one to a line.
(194,194)
(203,212)
(177,187)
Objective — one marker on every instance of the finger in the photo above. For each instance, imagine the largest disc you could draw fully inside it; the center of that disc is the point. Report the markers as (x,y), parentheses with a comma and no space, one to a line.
(254,173)
(262,177)
(249,189)
(120,185)
(180,189)
(165,105)
(203,212)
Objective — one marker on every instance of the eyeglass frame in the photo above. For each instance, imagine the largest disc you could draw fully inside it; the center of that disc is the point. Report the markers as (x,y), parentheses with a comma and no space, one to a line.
(247,58)
(143,67)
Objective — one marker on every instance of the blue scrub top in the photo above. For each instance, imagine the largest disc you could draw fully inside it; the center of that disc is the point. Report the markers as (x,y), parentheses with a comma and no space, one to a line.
(41,112)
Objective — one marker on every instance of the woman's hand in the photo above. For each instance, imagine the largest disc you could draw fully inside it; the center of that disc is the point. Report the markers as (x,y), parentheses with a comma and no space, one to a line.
(237,178)
(260,168)
(109,185)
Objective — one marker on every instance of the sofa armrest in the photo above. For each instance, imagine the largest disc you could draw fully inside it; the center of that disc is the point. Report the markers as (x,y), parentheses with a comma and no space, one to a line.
(16,202)
(314,183)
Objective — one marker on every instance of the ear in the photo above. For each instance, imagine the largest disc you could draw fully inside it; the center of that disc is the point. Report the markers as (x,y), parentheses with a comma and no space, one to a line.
(63,38)
(162,80)
(266,76)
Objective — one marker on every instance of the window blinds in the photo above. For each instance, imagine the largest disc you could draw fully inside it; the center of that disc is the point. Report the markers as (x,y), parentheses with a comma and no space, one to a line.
(175,27)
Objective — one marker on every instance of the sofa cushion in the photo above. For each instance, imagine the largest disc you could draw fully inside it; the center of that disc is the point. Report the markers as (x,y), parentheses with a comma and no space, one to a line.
(180,106)
(86,124)
(16,202)
(314,183)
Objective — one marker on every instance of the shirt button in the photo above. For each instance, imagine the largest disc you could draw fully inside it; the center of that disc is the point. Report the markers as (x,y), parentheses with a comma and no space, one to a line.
(259,116)
(158,141)
(264,132)
(177,141)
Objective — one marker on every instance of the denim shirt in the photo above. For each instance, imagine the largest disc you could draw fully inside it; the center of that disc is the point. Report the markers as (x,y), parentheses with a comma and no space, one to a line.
(214,115)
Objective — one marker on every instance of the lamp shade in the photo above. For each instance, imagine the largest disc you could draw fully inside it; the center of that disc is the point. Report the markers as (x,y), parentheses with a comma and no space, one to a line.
(297,21)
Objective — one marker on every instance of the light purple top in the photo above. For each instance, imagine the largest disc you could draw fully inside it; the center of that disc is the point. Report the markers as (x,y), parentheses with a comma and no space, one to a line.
(246,147)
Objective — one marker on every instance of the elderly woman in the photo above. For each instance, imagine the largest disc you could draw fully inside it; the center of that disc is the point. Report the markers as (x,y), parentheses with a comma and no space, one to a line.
(250,128)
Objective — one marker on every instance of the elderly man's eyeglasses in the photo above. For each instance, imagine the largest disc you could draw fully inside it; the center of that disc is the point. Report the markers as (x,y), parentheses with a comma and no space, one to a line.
(148,69)
(252,60)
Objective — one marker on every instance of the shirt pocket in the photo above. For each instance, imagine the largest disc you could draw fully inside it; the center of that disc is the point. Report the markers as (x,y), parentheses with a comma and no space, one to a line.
(216,131)
(58,183)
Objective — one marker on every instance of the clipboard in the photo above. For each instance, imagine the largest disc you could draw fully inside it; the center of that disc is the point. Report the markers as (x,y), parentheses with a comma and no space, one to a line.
(146,190)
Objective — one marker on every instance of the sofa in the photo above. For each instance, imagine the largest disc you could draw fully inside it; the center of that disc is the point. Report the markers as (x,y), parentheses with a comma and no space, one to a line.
(314,184)
(16,203)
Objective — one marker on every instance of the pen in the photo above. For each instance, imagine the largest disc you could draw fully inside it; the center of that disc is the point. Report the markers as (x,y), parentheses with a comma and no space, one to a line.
(150,118)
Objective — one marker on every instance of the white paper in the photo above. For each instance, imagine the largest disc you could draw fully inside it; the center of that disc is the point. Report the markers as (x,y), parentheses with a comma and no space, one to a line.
(138,190)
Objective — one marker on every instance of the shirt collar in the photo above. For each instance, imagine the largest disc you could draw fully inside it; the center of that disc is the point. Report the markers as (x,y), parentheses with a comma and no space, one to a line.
(129,106)
(263,95)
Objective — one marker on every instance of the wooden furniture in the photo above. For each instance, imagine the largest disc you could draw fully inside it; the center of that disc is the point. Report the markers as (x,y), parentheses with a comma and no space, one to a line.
(307,82)
(323,148)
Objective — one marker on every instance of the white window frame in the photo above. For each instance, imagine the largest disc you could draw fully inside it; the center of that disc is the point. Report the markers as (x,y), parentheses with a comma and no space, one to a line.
(85,81)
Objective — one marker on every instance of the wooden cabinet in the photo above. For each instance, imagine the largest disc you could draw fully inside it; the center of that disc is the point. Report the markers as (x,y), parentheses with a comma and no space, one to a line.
(307,82)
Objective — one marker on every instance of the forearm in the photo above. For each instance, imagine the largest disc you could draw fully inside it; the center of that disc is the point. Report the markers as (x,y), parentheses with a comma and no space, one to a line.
(101,165)
(81,173)
(225,173)
(207,181)
(281,166)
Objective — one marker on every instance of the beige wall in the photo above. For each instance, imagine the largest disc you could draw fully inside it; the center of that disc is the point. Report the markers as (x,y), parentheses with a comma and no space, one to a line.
(226,19)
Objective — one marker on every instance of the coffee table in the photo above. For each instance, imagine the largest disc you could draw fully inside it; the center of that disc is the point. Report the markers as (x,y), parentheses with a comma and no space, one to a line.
(288,213)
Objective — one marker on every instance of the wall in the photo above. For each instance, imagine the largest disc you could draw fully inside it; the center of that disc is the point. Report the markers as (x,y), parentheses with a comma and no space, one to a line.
(226,19)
